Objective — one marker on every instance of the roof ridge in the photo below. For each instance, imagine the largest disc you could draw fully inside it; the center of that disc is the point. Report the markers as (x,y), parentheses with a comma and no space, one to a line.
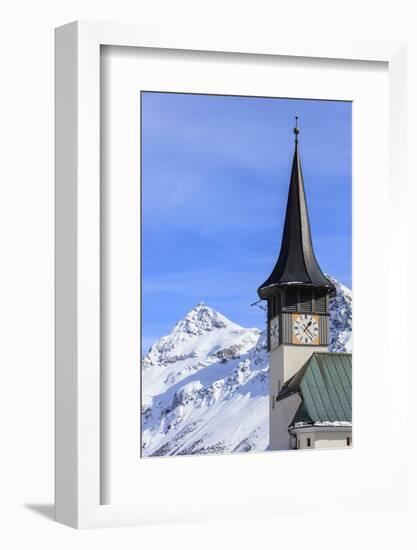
(335,353)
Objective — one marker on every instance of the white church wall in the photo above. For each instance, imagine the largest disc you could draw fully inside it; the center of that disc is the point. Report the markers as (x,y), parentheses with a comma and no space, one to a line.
(322,438)
(281,414)
(286,360)
(333,440)
(303,438)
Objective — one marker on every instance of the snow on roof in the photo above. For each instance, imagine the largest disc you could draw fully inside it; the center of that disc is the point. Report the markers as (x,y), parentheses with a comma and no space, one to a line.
(335,424)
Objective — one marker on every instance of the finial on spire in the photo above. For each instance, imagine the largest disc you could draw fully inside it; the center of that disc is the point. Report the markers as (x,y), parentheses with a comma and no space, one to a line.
(296,130)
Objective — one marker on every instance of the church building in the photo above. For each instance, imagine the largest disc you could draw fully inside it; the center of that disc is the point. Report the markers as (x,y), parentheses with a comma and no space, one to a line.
(310,389)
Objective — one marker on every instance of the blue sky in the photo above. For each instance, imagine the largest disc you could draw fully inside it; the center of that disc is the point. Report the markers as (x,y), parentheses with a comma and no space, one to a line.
(215,176)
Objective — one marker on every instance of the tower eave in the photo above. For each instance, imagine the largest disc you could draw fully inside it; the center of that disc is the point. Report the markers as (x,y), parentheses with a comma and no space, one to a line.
(267,290)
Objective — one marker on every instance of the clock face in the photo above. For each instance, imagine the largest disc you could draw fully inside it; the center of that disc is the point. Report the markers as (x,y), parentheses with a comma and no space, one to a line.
(274,333)
(305,329)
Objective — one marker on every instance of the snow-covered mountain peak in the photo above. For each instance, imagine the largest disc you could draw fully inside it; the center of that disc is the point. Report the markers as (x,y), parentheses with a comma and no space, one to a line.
(202,318)
(202,335)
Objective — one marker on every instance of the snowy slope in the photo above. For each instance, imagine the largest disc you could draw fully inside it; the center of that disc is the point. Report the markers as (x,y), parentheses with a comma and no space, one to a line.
(205,384)
(340,318)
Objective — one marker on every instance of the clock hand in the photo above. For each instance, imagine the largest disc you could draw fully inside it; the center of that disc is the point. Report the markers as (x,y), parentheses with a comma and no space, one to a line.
(306,327)
(309,333)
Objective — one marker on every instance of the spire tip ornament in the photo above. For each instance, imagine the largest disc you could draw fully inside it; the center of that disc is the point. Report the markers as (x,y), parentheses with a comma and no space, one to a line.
(296,130)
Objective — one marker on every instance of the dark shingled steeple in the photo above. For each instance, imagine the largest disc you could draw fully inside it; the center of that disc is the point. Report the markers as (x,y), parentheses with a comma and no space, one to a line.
(296,263)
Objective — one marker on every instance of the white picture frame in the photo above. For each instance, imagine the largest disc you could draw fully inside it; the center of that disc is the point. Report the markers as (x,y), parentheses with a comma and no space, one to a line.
(78,260)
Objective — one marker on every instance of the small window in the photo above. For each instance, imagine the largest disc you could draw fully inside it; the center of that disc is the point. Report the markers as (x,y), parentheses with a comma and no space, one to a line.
(308,441)
(348,441)
(320,303)
(291,299)
(273,401)
(298,443)
(304,303)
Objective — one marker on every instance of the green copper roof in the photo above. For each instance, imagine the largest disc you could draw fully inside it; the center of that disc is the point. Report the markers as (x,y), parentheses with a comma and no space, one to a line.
(325,387)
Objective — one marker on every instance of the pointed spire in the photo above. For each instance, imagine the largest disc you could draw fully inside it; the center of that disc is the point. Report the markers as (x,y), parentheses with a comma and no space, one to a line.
(296,263)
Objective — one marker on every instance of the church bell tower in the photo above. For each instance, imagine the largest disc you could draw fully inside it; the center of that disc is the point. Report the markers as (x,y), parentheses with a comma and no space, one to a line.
(297,293)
